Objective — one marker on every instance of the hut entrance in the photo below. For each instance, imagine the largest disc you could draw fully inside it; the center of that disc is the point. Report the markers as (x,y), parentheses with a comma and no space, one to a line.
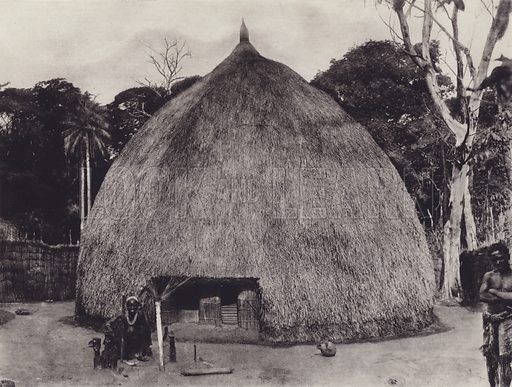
(216,302)
(228,307)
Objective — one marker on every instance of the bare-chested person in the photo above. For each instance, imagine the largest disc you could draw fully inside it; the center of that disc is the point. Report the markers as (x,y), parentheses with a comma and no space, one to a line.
(134,330)
(496,292)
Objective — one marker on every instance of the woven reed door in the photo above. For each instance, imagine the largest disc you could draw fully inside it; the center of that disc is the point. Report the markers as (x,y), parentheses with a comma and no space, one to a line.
(248,310)
(210,311)
(169,312)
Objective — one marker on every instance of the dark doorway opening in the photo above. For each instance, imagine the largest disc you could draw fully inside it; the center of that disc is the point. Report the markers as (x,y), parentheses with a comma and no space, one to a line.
(213,301)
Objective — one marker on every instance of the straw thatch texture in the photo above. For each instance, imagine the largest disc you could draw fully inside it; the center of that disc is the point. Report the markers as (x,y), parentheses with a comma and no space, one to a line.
(254,173)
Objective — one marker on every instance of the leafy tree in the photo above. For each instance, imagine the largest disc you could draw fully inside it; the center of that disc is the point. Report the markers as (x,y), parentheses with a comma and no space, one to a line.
(44,127)
(380,87)
(86,135)
(462,122)
(33,171)
(131,109)
(490,173)
(37,183)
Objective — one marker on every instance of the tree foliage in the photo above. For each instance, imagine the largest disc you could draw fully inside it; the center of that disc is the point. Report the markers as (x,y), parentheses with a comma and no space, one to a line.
(131,109)
(41,129)
(378,84)
(86,124)
(489,164)
(39,187)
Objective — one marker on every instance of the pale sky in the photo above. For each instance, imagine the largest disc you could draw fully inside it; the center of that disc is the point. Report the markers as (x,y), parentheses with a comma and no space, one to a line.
(99,45)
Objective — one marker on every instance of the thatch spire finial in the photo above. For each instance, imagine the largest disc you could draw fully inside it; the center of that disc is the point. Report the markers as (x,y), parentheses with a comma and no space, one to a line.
(244,32)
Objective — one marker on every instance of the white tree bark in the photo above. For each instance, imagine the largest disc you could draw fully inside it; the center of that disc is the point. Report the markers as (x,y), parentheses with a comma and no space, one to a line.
(452,232)
(82,193)
(469,220)
(88,174)
(464,133)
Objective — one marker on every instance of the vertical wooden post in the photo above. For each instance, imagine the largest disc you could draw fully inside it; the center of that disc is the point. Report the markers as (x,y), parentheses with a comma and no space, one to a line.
(159,335)
(123,310)
(172,347)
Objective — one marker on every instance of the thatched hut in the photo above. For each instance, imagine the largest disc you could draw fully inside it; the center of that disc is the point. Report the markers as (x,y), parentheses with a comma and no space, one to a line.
(252,180)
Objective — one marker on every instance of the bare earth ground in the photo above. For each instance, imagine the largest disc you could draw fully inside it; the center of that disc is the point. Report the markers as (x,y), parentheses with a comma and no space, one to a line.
(38,350)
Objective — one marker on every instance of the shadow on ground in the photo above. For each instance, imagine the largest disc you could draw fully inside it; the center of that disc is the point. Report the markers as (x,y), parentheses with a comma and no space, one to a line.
(6,316)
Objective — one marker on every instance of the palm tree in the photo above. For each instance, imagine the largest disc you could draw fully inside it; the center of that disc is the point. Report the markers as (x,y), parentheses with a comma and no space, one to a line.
(86,135)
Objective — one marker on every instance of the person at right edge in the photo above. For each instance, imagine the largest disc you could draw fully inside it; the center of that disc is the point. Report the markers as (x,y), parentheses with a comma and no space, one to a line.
(496,293)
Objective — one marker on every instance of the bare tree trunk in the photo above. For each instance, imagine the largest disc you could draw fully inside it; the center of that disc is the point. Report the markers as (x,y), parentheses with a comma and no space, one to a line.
(82,193)
(88,172)
(469,219)
(445,192)
(452,232)
(464,132)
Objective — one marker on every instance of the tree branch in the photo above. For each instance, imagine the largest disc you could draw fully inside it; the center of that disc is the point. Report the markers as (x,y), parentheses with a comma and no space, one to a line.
(460,89)
(425,63)
(406,34)
(168,64)
(487,8)
(492,38)
(463,48)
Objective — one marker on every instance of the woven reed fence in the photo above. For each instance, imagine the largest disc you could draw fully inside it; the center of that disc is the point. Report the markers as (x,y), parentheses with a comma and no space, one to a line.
(35,271)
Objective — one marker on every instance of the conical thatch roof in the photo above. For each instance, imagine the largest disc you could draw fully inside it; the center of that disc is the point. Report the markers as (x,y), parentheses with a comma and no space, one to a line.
(254,173)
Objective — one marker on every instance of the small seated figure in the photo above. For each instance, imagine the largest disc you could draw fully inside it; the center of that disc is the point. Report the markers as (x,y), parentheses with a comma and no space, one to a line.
(109,357)
(110,353)
(95,344)
(131,331)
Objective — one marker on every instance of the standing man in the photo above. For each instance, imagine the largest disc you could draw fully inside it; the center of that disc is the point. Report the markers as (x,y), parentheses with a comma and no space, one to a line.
(496,292)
